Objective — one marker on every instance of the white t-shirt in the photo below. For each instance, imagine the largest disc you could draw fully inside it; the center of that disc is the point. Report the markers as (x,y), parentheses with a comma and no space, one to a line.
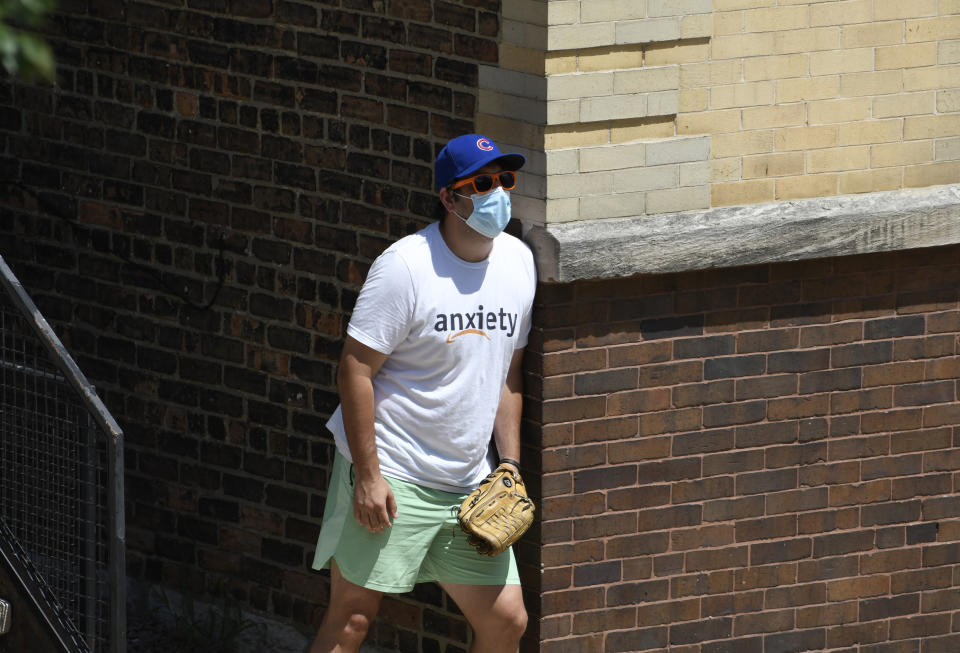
(450,329)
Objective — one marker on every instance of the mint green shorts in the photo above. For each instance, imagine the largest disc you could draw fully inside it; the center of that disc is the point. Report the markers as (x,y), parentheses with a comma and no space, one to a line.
(424,543)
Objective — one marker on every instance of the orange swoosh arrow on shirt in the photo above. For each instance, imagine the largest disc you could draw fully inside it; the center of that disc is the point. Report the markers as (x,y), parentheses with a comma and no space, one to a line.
(465,332)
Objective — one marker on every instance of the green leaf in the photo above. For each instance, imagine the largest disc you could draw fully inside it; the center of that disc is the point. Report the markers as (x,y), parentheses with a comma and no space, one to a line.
(28,12)
(9,50)
(22,53)
(38,58)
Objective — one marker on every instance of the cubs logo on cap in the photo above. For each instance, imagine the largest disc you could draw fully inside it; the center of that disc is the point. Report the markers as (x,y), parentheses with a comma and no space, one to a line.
(466,154)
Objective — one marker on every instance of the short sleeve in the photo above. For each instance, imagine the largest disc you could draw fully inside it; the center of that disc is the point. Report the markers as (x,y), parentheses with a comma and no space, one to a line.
(382,316)
(526,319)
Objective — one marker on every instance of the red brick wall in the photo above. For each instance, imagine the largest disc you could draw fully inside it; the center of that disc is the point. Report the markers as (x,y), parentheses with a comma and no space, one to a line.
(283,144)
(759,460)
(761,456)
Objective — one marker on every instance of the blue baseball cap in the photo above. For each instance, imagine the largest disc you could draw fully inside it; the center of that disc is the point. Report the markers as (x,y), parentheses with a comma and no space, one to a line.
(466,154)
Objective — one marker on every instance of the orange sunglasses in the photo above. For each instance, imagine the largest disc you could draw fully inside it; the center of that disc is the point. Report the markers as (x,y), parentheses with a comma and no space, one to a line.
(485,183)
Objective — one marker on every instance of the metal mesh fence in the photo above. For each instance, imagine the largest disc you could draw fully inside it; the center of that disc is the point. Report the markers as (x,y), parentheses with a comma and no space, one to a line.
(57,468)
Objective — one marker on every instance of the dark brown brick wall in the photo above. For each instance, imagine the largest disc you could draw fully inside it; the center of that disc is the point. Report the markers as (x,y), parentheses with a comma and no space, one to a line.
(760,459)
(281,146)
(754,460)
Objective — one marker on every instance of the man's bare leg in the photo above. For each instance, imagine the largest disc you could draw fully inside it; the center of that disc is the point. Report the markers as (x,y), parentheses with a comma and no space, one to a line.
(495,612)
(348,618)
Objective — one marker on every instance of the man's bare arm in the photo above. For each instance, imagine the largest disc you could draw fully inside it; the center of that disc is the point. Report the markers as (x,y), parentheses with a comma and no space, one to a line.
(506,426)
(373,503)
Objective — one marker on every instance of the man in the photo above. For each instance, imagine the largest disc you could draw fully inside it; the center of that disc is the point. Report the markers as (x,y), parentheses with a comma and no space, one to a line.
(431,367)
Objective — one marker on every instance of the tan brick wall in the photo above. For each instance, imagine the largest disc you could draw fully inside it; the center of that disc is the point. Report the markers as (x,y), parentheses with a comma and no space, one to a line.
(834,98)
(774,99)
(590,92)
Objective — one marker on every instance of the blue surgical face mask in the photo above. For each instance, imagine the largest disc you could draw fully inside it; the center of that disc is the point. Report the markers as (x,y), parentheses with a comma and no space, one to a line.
(491,212)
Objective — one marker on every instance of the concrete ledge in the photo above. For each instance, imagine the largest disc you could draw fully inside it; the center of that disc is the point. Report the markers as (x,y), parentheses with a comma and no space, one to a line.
(747,235)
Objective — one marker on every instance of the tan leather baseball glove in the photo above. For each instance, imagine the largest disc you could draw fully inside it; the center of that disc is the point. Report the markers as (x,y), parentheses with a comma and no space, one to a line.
(497,513)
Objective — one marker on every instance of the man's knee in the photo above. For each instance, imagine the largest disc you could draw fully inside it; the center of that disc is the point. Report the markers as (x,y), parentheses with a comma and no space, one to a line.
(509,620)
(346,629)
(353,618)
(516,622)
(357,624)
(348,618)
(502,631)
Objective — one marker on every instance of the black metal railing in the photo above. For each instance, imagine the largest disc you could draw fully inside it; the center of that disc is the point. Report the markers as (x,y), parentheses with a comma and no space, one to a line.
(61,482)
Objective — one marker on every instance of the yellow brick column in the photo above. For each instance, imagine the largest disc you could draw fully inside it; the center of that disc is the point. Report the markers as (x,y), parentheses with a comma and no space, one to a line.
(590,90)
(512,100)
(829,98)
